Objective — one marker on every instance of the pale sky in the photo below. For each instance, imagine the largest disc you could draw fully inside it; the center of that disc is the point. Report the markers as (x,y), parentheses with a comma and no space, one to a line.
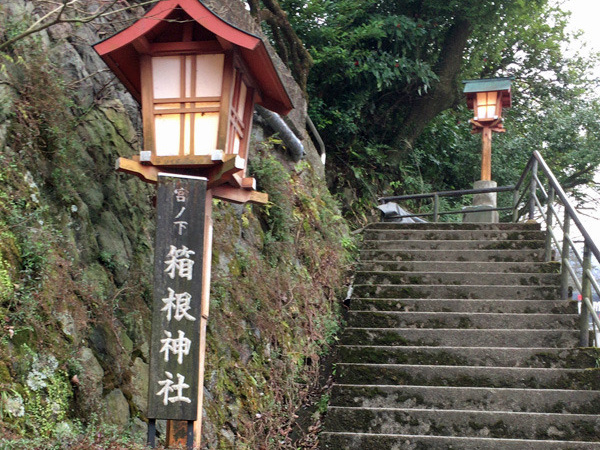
(584,16)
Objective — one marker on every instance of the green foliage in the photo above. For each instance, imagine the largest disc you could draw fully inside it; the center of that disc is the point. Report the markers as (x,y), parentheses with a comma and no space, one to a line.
(7,287)
(47,407)
(385,93)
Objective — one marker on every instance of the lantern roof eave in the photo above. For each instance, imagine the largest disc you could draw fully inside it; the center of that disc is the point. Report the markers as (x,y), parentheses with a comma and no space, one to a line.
(487,85)
(118,51)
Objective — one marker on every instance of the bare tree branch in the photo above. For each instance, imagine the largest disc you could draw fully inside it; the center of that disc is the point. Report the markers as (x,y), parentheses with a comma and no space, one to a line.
(60,14)
(289,46)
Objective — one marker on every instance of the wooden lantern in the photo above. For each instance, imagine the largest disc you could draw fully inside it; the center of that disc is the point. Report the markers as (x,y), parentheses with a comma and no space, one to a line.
(487,97)
(197,78)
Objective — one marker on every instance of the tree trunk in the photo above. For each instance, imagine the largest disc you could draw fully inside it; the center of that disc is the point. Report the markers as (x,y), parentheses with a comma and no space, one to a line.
(445,93)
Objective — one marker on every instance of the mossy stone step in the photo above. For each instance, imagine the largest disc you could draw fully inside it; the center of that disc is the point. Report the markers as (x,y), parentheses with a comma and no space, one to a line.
(460,338)
(468,398)
(453,245)
(464,305)
(461,320)
(459,266)
(468,376)
(457,292)
(457,278)
(399,234)
(522,255)
(365,441)
(452,226)
(471,356)
(494,424)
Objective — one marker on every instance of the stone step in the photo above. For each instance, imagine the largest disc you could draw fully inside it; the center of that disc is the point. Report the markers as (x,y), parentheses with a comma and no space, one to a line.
(452,226)
(467,398)
(471,356)
(522,255)
(460,338)
(464,266)
(467,376)
(462,305)
(457,292)
(493,424)
(457,278)
(365,441)
(453,245)
(395,319)
(450,235)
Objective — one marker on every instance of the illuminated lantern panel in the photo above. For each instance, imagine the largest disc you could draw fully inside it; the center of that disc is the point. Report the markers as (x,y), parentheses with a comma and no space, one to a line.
(187,105)
(186,113)
(486,97)
(486,106)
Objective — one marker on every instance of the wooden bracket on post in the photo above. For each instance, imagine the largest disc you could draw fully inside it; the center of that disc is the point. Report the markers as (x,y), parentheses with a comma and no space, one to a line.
(244,192)
(235,195)
(149,174)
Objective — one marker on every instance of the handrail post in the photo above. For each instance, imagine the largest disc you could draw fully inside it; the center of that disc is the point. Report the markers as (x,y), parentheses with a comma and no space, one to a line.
(549,220)
(564,259)
(436,207)
(533,189)
(515,205)
(586,292)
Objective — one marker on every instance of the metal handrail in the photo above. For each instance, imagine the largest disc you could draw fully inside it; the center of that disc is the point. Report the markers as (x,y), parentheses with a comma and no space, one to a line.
(456,193)
(525,198)
(586,281)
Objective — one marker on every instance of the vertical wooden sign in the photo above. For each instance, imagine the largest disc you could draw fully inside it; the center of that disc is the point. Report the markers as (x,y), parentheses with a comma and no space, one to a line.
(178,261)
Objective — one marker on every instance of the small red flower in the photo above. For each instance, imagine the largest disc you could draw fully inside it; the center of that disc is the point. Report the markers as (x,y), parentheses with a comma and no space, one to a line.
(356,63)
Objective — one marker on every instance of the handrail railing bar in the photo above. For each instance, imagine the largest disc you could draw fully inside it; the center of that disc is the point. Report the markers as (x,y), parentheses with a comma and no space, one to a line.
(575,251)
(557,216)
(590,306)
(566,204)
(541,186)
(448,193)
(456,211)
(564,259)
(515,206)
(522,197)
(524,174)
(574,278)
(554,238)
(539,204)
(549,221)
(586,294)
(532,190)
(595,284)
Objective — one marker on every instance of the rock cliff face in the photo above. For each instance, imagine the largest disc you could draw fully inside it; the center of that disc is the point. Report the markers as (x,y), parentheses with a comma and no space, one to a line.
(76,256)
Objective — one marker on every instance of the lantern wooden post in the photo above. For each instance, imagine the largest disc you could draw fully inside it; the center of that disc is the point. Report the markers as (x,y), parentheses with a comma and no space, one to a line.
(486,154)
(197,78)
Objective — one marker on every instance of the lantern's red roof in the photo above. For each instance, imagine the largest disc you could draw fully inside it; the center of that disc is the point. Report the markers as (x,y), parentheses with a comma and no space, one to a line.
(165,23)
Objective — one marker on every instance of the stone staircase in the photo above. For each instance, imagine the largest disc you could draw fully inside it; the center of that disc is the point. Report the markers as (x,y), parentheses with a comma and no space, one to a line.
(455,339)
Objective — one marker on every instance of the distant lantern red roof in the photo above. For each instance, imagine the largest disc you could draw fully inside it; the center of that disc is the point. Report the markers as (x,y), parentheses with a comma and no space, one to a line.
(161,31)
